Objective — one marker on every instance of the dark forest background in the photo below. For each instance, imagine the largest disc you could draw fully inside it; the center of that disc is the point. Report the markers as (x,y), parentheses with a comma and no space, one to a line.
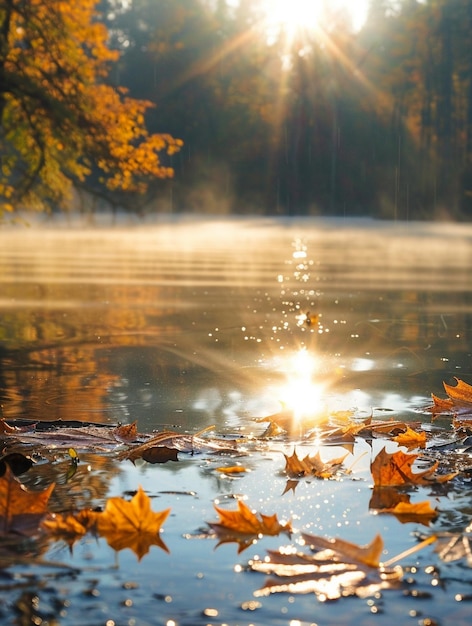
(335,122)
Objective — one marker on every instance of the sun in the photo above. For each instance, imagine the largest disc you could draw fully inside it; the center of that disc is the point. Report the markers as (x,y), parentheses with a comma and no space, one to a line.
(293,17)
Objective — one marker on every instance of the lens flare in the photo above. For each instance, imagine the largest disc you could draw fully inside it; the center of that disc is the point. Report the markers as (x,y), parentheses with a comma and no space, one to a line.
(300,393)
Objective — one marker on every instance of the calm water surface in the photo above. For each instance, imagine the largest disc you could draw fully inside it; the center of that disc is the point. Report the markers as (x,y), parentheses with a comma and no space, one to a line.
(189,323)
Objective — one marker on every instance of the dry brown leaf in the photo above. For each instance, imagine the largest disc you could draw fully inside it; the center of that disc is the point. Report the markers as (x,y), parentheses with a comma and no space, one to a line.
(131,524)
(411,438)
(311,466)
(126,433)
(21,510)
(394,469)
(245,522)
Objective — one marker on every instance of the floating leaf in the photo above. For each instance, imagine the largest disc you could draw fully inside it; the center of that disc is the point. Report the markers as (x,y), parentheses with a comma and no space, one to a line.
(350,552)
(17,462)
(311,466)
(66,527)
(245,522)
(131,524)
(338,569)
(126,433)
(159,454)
(411,438)
(395,469)
(234,469)
(21,510)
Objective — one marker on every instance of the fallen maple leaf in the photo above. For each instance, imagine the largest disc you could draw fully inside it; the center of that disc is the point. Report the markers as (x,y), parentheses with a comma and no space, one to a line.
(394,469)
(21,510)
(459,399)
(311,466)
(131,524)
(245,522)
(411,438)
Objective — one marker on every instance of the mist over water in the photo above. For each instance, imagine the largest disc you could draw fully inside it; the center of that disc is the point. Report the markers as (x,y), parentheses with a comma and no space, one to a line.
(191,322)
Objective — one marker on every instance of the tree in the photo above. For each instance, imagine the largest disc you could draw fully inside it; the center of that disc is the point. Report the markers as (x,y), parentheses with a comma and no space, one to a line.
(60,124)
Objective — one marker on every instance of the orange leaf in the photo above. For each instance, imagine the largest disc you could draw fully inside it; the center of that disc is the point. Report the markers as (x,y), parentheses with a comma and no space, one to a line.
(411,438)
(395,469)
(236,469)
(244,521)
(311,466)
(21,510)
(131,524)
(126,433)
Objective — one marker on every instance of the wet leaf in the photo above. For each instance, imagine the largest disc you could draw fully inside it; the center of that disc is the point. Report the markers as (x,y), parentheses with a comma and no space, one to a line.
(159,454)
(126,433)
(246,522)
(234,469)
(21,510)
(390,500)
(394,469)
(352,553)
(131,524)
(411,438)
(311,466)
(459,399)
(455,547)
(338,569)
(66,527)
(17,462)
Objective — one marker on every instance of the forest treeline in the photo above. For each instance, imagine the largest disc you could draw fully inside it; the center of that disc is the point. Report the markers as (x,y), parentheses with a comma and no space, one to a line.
(376,122)
(195,105)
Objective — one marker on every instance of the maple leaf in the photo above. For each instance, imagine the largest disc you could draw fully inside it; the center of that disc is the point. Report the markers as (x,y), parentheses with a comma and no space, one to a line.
(459,399)
(131,524)
(311,466)
(411,438)
(394,469)
(245,522)
(21,510)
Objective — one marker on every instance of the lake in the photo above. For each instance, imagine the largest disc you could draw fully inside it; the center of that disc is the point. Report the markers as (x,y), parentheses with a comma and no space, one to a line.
(187,323)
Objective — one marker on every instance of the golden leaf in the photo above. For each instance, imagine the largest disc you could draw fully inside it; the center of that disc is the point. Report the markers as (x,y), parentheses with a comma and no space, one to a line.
(245,522)
(411,438)
(66,527)
(311,466)
(131,524)
(21,510)
(235,469)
